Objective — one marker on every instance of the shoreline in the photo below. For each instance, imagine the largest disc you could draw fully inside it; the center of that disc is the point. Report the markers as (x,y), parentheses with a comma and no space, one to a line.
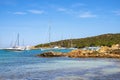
(103,52)
(78,54)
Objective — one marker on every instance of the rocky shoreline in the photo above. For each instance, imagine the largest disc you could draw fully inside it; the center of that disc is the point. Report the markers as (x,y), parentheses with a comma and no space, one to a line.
(51,54)
(103,52)
(93,54)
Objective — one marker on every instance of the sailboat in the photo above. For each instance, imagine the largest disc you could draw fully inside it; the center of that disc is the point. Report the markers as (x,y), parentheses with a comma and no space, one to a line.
(16,47)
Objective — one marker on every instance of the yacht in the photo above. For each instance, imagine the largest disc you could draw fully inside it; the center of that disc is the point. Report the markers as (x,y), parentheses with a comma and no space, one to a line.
(16,47)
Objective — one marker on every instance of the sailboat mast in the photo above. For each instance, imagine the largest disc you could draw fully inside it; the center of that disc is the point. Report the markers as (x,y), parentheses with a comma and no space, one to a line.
(18,39)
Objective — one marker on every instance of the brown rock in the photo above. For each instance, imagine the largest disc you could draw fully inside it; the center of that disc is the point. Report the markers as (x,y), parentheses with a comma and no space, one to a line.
(51,54)
(93,54)
(82,53)
(104,49)
(116,51)
(115,46)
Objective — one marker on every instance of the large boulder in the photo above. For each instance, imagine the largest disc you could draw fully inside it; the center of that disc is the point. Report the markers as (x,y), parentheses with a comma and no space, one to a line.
(115,46)
(82,53)
(116,51)
(104,49)
(74,53)
(51,54)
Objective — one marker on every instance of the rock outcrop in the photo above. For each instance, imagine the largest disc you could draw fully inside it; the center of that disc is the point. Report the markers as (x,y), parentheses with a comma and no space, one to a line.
(116,46)
(51,54)
(92,54)
(110,50)
(104,49)
(82,53)
(103,52)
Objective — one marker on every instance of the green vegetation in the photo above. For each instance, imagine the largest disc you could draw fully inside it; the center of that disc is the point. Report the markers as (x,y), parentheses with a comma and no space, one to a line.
(101,40)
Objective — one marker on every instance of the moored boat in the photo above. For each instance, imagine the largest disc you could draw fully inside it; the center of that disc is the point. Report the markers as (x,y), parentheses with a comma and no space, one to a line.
(16,47)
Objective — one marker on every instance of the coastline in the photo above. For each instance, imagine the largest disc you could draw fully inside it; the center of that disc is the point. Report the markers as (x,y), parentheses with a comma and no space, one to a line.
(103,52)
(78,54)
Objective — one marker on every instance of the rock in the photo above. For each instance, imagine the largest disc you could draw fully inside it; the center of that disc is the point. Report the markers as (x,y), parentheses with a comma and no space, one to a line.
(82,53)
(115,46)
(51,54)
(74,53)
(103,52)
(116,51)
(93,54)
(104,49)
(110,50)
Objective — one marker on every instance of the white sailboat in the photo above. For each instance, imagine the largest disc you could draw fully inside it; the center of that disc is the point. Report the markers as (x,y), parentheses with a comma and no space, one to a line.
(16,47)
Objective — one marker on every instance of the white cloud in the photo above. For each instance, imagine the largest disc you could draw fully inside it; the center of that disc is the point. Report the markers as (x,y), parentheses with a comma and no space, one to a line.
(20,13)
(117,12)
(66,11)
(36,11)
(80,14)
(28,11)
(87,15)
(62,9)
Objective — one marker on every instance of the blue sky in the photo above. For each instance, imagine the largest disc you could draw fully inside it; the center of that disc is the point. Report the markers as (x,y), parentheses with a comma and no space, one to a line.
(67,18)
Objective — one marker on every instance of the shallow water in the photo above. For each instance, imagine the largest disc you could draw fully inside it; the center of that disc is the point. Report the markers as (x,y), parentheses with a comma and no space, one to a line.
(26,66)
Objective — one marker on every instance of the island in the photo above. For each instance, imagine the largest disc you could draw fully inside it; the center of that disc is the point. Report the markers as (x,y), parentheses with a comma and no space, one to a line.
(101,46)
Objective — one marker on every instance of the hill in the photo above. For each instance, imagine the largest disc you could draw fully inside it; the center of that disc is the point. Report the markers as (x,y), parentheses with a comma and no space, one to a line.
(100,40)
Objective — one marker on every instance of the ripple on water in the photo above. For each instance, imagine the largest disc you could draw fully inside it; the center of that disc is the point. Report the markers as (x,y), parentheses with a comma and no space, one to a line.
(23,66)
(62,70)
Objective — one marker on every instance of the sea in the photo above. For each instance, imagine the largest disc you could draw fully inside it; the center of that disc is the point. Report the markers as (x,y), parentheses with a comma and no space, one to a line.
(25,65)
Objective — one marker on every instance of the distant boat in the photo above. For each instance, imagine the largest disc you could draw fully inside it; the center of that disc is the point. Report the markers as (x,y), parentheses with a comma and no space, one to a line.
(16,47)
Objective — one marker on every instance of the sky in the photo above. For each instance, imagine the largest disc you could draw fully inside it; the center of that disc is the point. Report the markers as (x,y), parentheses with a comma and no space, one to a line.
(66,18)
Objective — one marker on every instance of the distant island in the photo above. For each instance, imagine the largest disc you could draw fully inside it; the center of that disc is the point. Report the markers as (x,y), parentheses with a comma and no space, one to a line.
(100,40)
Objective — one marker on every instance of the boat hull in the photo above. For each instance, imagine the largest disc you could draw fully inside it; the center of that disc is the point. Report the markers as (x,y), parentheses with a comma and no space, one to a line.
(13,49)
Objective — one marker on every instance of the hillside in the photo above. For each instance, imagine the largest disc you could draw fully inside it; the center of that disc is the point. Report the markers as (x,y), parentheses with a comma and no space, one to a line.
(100,40)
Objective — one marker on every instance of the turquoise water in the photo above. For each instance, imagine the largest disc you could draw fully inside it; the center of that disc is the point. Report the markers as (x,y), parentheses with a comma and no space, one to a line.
(26,66)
